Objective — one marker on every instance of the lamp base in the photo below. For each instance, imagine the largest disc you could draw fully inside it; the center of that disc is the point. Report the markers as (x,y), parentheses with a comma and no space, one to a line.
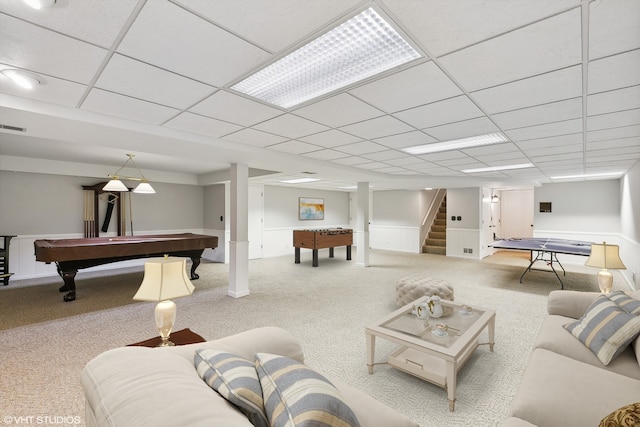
(165,314)
(605,281)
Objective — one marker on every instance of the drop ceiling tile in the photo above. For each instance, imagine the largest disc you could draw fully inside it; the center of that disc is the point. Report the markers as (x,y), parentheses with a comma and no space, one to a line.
(330,138)
(463,129)
(391,170)
(536,90)
(560,156)
(276,24)
(614,133)
(546,130)
(407,139)
(377,128)
(351,160)
(326,154)
(407,161)
(371,165)
(443,155)
(139,80)
(339,110)
(552,141)
(614,72)
(202,125)
(614,26)
(442,112)
(419,85)
(612,120)
(290,126)
(254,137)
(451,25)
(550,44)
(112,104)
(614,100)
(535,152)
(494,149)
(51,89)
(294,147)
(540,114)
(364,147)
(233,108)
(189,45)
(80,60)
(98,22)
(384,156)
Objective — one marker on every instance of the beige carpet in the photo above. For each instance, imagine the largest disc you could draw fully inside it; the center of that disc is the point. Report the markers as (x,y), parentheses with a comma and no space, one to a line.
(46,342)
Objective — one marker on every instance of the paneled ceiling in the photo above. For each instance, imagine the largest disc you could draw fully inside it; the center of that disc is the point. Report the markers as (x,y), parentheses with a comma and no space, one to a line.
(559,78)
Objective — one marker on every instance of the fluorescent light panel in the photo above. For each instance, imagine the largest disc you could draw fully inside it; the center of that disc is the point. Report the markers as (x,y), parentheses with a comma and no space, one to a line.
(299,180)
(361,47)
(499,168)
(457,144)
(590,175)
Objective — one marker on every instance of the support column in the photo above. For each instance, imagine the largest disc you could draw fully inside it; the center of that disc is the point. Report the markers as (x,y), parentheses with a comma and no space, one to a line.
(239,242)
(362,230)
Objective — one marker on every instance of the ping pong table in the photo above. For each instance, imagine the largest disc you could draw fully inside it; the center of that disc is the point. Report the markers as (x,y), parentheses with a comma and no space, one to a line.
(547,250)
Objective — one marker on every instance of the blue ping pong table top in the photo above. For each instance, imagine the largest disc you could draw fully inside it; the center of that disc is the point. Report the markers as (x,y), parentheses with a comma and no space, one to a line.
(561,246)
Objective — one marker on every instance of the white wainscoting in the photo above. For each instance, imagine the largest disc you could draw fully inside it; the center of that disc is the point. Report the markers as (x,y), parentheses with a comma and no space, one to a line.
(394,238)
(463,242)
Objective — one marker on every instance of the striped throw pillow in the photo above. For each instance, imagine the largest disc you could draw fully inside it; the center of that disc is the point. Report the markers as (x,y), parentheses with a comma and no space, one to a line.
(605,328)
(295,395)
(629,304)
(234,378)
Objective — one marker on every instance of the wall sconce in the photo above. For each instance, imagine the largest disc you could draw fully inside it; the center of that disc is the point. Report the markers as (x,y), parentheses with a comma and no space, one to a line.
(495,198)
(116,185)
(606,257)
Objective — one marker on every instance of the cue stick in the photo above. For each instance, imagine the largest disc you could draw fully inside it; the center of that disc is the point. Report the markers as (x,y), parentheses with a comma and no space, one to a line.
(131,213)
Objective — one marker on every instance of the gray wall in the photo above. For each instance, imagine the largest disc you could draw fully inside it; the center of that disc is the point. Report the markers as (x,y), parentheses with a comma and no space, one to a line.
(397,208)
(587,206)
(465,203)
(39,204)
(214,207)
(281,208)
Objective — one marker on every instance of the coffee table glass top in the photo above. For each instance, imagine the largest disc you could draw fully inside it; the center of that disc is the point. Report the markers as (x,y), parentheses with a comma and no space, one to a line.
(443,331)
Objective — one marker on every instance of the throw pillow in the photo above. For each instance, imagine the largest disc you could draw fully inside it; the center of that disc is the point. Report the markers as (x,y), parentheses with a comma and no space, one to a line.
(295,395)
(234,378)
(605,328)
(627,416)
(630,305)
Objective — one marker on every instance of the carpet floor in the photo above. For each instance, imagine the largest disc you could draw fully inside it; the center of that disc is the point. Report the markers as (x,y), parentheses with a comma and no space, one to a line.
(46,342)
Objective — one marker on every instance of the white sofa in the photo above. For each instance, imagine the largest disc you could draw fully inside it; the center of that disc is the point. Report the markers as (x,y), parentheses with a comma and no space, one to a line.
(138,386)
(564,383)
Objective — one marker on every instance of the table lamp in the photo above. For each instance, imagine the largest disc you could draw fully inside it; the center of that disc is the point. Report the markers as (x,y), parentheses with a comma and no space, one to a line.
(164,279)
(606,257)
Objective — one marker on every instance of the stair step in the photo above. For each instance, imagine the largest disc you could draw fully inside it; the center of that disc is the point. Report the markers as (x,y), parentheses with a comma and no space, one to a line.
(440,222)
(436,250)
(441,235)
(435,242)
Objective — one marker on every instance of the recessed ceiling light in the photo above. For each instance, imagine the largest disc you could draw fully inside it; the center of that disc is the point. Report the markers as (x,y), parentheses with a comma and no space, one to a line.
(498,168)
(24,79)
(457,144)
(40,4)
(591,175)
(299,180)
(361,47)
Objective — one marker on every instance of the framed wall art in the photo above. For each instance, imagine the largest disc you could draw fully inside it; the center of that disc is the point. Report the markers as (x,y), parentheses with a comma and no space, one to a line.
(310,208)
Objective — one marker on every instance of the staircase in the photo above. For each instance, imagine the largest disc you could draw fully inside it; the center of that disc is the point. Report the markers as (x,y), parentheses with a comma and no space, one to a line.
(436,241)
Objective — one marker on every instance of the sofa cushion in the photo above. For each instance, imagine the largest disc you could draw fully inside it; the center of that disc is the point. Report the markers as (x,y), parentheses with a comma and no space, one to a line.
(296,395)
(605,328)
(627,416)
(630,305)
(558,391)
(554,337)
(236,379)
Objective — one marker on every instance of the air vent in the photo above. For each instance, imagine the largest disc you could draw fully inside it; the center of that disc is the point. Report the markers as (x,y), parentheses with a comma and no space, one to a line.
(16,128)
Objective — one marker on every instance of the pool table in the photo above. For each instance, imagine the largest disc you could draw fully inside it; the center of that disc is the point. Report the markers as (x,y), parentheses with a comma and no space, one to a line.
(71,255)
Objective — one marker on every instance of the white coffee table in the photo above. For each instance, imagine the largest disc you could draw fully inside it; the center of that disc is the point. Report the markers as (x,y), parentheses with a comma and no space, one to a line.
(422,353)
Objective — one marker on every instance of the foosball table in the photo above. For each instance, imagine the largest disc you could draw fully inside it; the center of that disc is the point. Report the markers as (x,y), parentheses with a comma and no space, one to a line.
(321,239)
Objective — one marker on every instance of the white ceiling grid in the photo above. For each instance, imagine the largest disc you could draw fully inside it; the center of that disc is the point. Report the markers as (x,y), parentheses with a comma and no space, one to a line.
(153,77)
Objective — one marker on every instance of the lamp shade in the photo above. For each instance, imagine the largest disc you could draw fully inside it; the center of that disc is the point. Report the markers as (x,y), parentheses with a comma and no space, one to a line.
(115,185)
(164,279)
(605,256)
(144,188)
